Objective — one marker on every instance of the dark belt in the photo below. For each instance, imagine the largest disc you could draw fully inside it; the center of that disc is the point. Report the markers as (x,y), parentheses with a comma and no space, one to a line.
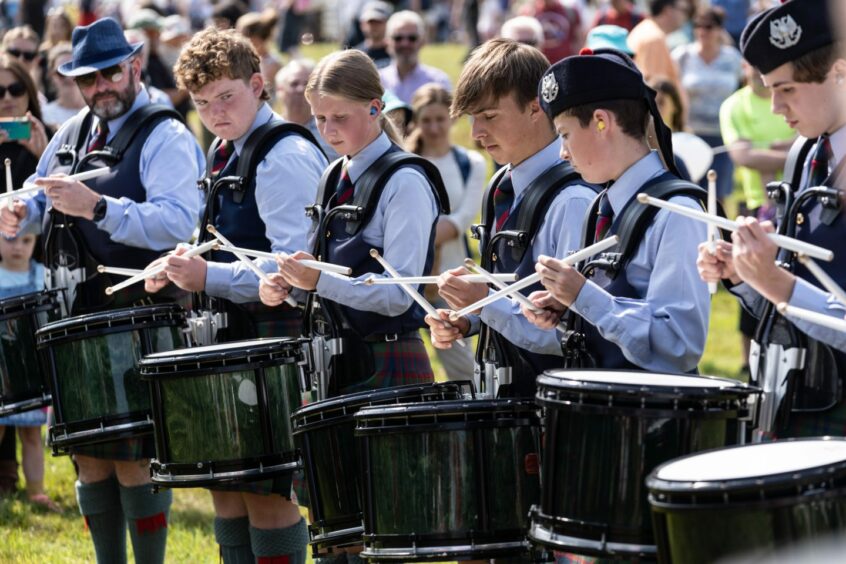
(391,337)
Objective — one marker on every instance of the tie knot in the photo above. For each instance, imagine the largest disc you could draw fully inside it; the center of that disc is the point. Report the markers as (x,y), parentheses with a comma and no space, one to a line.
(506,185)
(605,208)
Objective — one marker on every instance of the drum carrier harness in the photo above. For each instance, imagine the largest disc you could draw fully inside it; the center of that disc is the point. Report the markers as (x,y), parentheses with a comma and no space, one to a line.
(332,330)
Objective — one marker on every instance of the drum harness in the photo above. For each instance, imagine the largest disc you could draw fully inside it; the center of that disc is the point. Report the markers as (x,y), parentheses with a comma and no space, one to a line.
(67,257)
(210,315)
(496,358)
(779,354)
(330,332)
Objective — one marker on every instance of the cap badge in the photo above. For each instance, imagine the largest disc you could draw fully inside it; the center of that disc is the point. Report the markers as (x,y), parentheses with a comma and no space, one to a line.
(785,32)
(549,88)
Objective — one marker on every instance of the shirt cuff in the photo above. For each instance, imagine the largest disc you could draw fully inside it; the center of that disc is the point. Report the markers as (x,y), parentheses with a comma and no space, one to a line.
(332,286)
(807,296)
(592,303)
(475,325)
(114,213)
(218,279)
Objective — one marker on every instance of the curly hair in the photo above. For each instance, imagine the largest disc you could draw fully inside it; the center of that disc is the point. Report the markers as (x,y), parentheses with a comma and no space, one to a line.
(213,54)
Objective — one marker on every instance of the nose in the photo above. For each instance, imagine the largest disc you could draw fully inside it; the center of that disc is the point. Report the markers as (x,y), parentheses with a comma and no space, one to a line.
(476,130)
(564,153)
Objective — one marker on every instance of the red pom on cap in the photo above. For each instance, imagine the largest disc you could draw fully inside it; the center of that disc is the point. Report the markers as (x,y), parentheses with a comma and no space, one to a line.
(586,51)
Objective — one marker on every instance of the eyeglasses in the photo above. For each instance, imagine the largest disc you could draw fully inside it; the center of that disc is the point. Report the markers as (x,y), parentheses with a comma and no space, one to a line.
(401,38)
(115,74)
(16,89)
(25,55)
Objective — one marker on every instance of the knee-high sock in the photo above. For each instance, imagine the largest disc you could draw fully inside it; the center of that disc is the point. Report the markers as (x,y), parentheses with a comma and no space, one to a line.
(8,462)
(280,546)
(99,504)
(146,513)
(233,536)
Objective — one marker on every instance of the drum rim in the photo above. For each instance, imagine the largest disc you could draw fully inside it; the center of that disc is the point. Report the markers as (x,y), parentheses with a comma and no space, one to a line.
(447,406)
(18,303)
(123,319)
(678,488)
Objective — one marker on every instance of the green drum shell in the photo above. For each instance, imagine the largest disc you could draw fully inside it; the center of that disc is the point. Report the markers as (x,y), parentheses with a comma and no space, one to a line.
(223,413)
(325,433)
(448,480)
(705,521)
(22,382)
(98,395)
(602,440)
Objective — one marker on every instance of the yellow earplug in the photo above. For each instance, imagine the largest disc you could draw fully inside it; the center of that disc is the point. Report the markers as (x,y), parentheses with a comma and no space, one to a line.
(600,126)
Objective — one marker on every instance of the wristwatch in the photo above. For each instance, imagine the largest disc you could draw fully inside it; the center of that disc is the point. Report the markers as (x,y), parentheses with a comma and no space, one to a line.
(100,209)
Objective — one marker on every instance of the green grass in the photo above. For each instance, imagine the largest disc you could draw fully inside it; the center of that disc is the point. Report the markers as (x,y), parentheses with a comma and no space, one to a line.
(30,535)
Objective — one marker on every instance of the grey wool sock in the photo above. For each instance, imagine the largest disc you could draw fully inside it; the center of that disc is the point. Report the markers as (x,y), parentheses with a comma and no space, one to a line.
(146,514)
(99,504)
(271,545)
(233,537)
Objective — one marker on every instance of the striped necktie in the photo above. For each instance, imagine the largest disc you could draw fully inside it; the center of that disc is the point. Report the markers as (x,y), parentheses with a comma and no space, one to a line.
(345,189)
(99,140)
(605,217)
(221,157)
(819,164)
(503,199)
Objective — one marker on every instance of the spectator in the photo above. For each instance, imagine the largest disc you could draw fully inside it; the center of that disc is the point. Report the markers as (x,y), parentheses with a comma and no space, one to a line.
(257,28)
(737,14)
(405,74)
(373,21)
(648,40)
(562,28)
(621,13)
(398,112)
(710,72)
(226,13)
(669,102)
(68,98)
(609,37)
(58,29)
(293,17)
(176,31)
(22,43)
(157,96)
(523,29)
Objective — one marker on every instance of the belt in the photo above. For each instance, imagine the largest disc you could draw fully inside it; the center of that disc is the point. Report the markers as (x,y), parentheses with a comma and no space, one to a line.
(391,337)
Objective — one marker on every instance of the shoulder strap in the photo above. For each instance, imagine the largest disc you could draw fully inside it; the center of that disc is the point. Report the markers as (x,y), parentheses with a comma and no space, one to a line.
(369,187)
(77,133)
(463,162)
(487,201)
(328,181)
(263,139)
(794,166)
(149,115)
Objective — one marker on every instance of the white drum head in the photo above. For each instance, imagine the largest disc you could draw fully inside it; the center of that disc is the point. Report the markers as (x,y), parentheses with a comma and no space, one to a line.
(645,379)
(214,348)
(752,461)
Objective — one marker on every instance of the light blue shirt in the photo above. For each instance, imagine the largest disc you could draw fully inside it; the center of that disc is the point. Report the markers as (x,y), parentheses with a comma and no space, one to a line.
(171,163)
(559,234)
(286,183)
(401,225)
(405,87)
(666,330)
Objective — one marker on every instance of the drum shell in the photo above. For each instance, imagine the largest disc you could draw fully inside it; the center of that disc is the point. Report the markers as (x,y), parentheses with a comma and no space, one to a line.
(223,414)
(449,480)
(325,433)
(98,395)
(601,442)
(701,522)
(23,385)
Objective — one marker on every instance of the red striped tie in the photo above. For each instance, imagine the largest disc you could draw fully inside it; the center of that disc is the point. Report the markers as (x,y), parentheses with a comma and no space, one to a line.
(503,199)
(99,140)
(221,157)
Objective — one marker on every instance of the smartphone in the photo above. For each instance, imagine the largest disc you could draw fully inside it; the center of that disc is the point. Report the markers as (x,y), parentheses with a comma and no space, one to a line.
(16,128)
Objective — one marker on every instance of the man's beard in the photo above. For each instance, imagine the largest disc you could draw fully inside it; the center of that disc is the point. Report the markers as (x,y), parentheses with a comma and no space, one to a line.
(118,104)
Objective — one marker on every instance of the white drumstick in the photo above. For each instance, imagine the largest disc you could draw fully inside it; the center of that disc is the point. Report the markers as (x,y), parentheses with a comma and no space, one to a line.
(788,243)
(80,176)
(247,262)
(415,295)
(712,229)
(158,269)
(827,282)
(490,278)
(576,257)
(118,271)
(812,317)
(315,264)
(472,278)
(8,163)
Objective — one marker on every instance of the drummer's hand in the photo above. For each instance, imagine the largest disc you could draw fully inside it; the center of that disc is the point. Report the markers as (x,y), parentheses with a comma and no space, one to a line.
(158,281)
(443,331)
(10,220)
(458,293)
(295,274)
(754,256)
(71,197)
(717,266)
(187,273)
(276,292)
(562,280)
(551,310)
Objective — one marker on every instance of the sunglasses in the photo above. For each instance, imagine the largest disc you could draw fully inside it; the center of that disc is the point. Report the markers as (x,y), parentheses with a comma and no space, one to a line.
(16,89)
(25,55)
(409,38)
(114,73)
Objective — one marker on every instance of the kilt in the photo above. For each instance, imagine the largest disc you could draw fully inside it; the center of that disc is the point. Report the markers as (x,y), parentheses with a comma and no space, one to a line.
(124,450)
(395,363)
(816,424)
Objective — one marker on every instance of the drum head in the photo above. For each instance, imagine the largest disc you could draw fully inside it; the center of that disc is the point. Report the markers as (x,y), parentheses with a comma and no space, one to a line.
(628,379)
(111,322)
(27,303)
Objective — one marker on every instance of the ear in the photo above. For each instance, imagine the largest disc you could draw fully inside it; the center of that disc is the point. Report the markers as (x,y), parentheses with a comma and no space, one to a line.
(257,84)
(535,111)
(602,121)
(839,68)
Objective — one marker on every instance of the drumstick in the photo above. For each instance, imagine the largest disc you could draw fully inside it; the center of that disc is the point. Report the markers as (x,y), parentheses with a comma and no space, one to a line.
(576,257)
(80,176)
(118,271)
(472,278)
(158,269)
(247,262)
(712,229)
(788,243)
(523,300)
(827,282)
(315,264)
(8,163)
(415,295)
(812,316)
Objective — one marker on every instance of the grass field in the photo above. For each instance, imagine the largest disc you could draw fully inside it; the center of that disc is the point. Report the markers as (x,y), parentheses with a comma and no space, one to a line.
(28,535)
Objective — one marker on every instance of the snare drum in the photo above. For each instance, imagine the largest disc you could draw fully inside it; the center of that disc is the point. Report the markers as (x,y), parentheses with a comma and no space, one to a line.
(22,383)
(324,431)
(449,480)
(223,412)
(604,432)
(748,498)
(92,361)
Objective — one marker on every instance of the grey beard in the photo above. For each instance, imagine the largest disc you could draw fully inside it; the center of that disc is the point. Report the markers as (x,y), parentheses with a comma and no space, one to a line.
(118,107)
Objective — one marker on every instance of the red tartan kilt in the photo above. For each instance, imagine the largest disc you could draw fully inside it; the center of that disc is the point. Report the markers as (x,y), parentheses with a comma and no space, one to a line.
(396,363)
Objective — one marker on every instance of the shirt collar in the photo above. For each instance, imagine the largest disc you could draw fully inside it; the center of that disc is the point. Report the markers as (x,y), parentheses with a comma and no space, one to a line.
(838,147)
(263,115)
(630,182)
(367,156)
(142,99)
(525,172)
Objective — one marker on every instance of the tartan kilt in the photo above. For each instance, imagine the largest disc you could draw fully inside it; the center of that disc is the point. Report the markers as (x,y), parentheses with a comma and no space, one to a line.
(125,450)
(830,422)
(280,485)
(396,363)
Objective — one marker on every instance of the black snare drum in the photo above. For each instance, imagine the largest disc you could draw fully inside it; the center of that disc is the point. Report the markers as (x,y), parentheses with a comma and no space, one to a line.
(604,432)
(751,498)
(324,431)
(449,480)
(92,360)
(22,383)
(223,412)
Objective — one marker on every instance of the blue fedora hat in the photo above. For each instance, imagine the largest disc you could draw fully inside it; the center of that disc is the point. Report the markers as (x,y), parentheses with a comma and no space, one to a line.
(98,46)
